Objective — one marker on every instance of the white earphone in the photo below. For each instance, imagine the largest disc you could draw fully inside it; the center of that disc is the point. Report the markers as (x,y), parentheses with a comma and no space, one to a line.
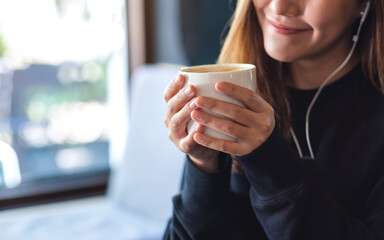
(355,38)
(362,19)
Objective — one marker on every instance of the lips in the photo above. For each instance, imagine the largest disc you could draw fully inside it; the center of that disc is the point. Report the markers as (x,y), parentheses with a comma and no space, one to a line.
(286,30)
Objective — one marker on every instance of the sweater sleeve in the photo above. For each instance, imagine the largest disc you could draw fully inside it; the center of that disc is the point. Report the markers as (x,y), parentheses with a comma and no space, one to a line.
(207,209)
(291,203)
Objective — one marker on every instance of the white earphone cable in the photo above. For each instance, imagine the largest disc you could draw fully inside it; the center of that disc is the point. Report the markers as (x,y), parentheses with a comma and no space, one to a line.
(317,95)
(354,39)
(296,143)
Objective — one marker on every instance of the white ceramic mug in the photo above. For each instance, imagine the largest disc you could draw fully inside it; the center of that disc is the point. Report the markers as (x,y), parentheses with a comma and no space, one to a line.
(204,78)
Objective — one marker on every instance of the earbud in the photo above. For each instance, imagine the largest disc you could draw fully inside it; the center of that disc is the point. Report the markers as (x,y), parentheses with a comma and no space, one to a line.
(362,19)
(365,13)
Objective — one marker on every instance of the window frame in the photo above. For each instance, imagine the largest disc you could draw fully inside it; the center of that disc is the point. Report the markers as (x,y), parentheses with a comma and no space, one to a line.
(54,190)
(66,187)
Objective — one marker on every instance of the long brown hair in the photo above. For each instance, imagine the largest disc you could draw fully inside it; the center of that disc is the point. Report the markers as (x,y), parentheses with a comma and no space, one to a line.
(371,48)
(244,44)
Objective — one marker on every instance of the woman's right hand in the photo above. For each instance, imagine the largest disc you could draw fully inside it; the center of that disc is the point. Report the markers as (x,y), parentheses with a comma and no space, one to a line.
(180,104)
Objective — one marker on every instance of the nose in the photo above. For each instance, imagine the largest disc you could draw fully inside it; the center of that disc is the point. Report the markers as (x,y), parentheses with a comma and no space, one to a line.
(288,8)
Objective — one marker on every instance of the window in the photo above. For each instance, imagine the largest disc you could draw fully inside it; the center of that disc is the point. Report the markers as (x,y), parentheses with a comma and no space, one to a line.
(57,59)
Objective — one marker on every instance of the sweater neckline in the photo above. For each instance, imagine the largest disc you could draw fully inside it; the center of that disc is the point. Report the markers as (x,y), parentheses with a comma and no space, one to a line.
(337,84)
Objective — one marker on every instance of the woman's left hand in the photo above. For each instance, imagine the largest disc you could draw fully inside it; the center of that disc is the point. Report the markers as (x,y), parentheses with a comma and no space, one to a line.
(251,125)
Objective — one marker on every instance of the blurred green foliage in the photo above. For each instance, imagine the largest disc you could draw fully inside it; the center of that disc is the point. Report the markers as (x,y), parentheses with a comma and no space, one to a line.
(2,46)
(42,98)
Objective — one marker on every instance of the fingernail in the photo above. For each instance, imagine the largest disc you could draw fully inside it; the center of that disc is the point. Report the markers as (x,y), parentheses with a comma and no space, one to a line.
(196,115)
(192,105)
(202,102)
(188,90)
(198,128)
(221,86)
(177,79)
(198,138)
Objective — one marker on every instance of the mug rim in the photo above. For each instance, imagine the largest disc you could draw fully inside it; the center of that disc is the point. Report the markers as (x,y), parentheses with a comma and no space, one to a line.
(244,67)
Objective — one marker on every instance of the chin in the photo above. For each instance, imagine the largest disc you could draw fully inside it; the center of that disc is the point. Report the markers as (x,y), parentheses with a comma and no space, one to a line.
(280,54)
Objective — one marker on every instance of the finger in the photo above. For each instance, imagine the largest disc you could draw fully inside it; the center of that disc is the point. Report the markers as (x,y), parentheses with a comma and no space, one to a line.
(233,111)
(250,99)
(188,143)
(225,126)
(174,87)
(176,103)
(178,123)
(218,144)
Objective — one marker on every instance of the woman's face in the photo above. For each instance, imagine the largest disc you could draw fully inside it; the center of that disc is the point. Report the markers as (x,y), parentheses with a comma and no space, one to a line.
(307,29)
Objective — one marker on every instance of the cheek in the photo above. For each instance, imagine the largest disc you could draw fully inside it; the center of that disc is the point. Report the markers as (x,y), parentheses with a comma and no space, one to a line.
(326,15)
(260,4)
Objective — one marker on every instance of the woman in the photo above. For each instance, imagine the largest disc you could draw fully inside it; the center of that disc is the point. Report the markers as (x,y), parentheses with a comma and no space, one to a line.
(308,162)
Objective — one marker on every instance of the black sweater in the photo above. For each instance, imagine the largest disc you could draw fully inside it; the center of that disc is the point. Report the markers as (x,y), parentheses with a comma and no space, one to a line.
(339,195)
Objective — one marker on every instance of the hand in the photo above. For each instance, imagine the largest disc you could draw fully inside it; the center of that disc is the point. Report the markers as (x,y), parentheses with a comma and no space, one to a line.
(251,125)
(179,108)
